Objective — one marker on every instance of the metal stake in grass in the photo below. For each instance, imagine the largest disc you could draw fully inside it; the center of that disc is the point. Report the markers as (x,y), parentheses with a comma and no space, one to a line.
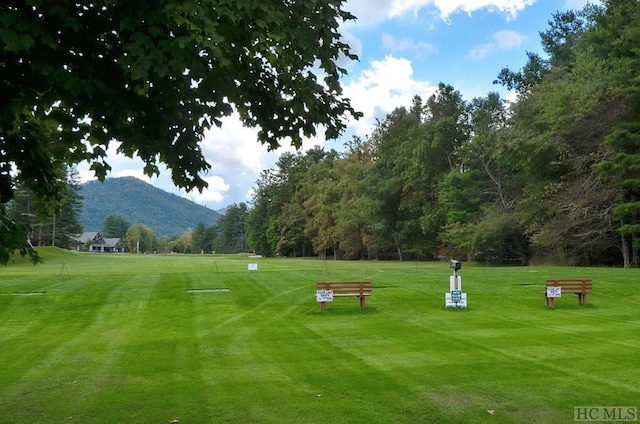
(62,271)
(324,266)
(215,265)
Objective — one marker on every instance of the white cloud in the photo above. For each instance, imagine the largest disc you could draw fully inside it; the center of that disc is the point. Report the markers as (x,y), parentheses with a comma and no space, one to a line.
(510,7)
(385,85)
(132,172)
(237,159)
(501,41)
(371,12)
(449,7)
(368,12)
(416,48)
(214,193)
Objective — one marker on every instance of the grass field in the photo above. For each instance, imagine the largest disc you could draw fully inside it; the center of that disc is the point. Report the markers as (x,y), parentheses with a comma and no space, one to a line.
(90,338)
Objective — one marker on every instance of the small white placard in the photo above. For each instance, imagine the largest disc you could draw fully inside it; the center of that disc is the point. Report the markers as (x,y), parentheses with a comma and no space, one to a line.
(450,301)
(554,291)
(253,267)
(324,295)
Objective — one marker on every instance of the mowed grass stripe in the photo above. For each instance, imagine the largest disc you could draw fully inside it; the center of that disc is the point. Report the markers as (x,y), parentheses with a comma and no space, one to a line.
(268,370)
(267,343)
(33,326)
(87,341)
(157,378)
(264,352)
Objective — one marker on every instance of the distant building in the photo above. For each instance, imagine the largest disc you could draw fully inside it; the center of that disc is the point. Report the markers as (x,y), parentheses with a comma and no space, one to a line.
(92,241)
(113,245)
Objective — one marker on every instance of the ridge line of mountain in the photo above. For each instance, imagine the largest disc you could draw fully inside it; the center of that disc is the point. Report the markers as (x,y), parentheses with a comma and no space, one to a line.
(139,202)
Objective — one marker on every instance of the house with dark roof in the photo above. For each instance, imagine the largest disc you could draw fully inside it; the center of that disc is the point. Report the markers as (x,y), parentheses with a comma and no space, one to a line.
(92,241)
(113,245)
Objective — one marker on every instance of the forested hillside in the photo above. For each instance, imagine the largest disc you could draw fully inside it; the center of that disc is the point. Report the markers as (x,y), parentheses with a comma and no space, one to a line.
(553,177)
(140,203)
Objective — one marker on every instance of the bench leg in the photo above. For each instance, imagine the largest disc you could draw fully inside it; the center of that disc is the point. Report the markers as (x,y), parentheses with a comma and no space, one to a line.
(362,302)
(550,301)
(323,306)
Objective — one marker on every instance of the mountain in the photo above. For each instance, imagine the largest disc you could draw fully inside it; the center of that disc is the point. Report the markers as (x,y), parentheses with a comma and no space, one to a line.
(140,203)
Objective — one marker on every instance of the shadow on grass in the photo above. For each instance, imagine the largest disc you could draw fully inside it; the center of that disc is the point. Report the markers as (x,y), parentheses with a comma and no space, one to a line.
(571,306)
(345,311)
(456,310)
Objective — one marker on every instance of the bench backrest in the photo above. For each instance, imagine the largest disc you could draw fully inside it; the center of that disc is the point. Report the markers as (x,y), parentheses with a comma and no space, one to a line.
(346,288)
(571,285)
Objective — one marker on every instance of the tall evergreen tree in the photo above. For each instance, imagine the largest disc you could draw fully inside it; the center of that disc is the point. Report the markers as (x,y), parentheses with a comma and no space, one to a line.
(114,226)
(54,222)
(199,239)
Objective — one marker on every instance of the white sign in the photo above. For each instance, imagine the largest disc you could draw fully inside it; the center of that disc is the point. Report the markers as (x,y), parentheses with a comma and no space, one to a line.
(455,299)
(554,291)
(253,267)
(324,295)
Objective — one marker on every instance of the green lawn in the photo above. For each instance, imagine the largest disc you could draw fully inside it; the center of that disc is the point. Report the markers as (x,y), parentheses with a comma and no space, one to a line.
(91,338)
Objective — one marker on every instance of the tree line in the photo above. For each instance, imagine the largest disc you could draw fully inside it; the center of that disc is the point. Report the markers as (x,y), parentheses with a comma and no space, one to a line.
(553,177)
(226,235)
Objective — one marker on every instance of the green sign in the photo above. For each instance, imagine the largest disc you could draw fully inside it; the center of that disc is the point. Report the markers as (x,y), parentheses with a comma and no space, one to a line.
(456,296)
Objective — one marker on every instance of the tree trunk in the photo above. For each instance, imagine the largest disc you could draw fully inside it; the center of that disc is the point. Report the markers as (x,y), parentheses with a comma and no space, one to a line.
(399,249)
(53,236)
(626,254)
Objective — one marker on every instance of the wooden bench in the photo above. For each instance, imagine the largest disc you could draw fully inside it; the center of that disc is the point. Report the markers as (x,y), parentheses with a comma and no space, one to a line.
(359,289)
(571,286)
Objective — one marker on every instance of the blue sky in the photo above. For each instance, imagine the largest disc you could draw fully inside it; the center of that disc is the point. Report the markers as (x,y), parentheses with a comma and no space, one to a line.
(405,47)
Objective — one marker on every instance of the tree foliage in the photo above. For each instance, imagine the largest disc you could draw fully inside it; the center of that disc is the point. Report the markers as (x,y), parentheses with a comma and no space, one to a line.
(114,226)
(153,76)
(49,223)
(552,177)
(140,239)
(14,236)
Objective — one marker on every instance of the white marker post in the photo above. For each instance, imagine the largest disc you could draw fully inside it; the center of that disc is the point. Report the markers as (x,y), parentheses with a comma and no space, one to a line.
(455,298)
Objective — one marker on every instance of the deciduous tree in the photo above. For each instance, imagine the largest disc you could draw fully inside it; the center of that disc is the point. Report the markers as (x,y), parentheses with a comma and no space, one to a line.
(140,239)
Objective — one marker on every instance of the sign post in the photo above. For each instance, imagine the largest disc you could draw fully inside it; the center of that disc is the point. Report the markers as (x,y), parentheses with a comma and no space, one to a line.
(455,298)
